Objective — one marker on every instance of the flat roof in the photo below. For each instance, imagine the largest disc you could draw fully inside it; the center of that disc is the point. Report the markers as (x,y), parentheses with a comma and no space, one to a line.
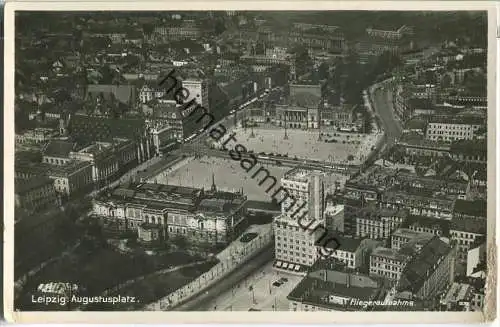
(405,232)
(389,253)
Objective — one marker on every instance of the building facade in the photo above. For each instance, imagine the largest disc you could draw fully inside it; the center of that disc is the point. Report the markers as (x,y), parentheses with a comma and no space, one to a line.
(198,218)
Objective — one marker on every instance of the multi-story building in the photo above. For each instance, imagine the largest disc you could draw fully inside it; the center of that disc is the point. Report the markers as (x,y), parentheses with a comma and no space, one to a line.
(465,231)
(403,236)
(328,286)
(204,219)
(476,259)
(36,136)
(388,263)
(337,116)
(187,29)
(458,297)
(57,152)
(452,129)
(163,137)
(73,177)
(308,191)
(87,129)
(168,113)
(35,194)
(198,91)
(106,158)
(301,222)
(379,223)
(425,204)
(334,218)
(350,251)
(295,248)
(150,91)
(296,117)
(438,227)
(474,151)
(428,272)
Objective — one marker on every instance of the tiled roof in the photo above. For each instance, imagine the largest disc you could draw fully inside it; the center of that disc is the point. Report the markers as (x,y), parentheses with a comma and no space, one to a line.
(87,129)
(475,208)
(429,222)
(471,225)
(26,185)
(123,93)
(422,265)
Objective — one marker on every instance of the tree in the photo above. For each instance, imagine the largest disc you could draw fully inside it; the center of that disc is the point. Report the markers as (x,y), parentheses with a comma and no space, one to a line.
(303,61)
(180,241)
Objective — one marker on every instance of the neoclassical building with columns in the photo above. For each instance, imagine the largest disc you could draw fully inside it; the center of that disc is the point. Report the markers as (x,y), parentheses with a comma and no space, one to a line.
(204,218)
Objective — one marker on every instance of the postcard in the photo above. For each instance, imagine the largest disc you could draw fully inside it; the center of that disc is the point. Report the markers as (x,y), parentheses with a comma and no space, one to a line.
(250,162)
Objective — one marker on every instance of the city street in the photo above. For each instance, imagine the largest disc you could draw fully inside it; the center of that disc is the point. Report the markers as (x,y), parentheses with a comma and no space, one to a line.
(256,292)
(382,101)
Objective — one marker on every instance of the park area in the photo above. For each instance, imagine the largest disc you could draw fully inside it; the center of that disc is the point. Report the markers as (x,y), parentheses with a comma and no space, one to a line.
(334,147)
(96,269)
(229,176)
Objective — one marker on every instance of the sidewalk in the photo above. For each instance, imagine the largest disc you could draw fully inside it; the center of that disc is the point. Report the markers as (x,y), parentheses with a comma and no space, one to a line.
(230,258)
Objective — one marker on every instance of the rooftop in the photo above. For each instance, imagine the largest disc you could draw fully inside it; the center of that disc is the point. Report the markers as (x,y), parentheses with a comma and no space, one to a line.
(414,235)
(25,185)
(59,148)
(476,208)
(161,197)
(344,243)
(301,174)
(70,167)
(392,254)
(470,225)
(473,120)
(458,292)
(429,222)
(422,265)
(325,294)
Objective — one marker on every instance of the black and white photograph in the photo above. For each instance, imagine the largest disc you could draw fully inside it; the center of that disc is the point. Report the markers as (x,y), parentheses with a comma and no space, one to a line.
(271,160)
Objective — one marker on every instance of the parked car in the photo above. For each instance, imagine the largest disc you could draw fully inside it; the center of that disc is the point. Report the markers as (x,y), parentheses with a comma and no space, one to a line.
(277,284)
(283,280)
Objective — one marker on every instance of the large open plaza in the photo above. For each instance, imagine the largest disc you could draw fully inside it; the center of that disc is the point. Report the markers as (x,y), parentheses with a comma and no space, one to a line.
(333,147)
(228,176)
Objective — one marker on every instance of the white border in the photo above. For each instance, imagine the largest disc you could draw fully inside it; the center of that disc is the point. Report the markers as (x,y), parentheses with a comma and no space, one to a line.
(238,317)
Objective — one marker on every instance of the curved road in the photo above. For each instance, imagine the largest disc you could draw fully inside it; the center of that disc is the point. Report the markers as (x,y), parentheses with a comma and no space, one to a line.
(382,102)
(199,302)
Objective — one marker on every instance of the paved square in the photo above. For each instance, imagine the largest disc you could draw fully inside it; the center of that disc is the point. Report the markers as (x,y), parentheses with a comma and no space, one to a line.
(304,144)
(229,176)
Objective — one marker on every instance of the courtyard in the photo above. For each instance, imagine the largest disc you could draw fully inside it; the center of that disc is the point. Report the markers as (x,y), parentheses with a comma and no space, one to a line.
(228,175)
(334,147)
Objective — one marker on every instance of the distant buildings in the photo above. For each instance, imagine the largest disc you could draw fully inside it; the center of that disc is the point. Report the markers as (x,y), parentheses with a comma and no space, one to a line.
(36,136)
